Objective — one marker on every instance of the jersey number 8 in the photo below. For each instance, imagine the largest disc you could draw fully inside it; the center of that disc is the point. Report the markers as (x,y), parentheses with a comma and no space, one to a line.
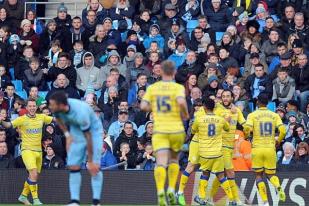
(163,104)
(266,128)
(211,130)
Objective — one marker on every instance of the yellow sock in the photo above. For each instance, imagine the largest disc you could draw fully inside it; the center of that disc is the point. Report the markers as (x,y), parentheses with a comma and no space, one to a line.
(262,190)
(215,187)
(160,178)
(34,190)
(26,189)
(274,180)
(202,186)
(234,189)
(227,189)
(172,172)
(183,182)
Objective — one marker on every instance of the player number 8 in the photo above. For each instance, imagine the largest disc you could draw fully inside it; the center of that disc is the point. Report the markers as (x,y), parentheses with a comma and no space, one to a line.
(211,130)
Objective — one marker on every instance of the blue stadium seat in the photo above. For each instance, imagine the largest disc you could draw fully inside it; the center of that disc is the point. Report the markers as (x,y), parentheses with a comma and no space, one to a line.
(12,73)
(49,84)
(18,85)
(219,36)
(271,106)
(191,24)
(23,94)
(43,94)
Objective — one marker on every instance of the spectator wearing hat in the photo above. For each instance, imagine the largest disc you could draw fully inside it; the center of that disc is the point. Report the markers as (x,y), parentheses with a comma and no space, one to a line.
(283,87)
(269,47)
(129,58)
(297,49)
(285,61)
(49,34)
(113,61)
(11,54)
(217,16)
(111,33)
(293,105)
(137,68)
(63,19)
(252,59)
(176,32)
(170,12)
(242,21)
(51,159)
(302,79)
(27,35)
(203,23)
(99,10)
(154,35)
(190,66)
(179,55)
(133,41)
(15,10)
(110,107)
(213,85)
(258,83)
(116,127)
(301,29)
(252,31)
(210,70)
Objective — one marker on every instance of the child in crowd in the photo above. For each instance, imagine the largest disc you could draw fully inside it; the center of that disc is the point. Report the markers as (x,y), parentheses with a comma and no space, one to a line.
(149,159)
(127,156)
(154,35)
(77,54)
(4,78)
(53,52)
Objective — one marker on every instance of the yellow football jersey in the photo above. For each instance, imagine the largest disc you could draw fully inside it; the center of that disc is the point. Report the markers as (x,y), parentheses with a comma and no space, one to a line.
(237,116)
(162,96)
(209,128)
(263,123)
(30,129)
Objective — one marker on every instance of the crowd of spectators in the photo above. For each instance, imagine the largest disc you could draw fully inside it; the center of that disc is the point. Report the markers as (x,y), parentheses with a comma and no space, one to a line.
(112,53)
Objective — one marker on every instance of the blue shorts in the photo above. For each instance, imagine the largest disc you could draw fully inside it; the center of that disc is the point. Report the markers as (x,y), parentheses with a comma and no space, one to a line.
(78,151)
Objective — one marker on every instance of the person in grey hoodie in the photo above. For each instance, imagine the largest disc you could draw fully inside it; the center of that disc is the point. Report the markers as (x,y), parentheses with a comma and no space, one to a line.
(88,74)
(113,61)
(283,87)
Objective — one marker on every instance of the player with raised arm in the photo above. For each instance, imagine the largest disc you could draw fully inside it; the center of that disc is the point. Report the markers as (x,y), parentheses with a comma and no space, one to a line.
(209,128)
(263,124)
(30,128)
(166,99)
(83,140)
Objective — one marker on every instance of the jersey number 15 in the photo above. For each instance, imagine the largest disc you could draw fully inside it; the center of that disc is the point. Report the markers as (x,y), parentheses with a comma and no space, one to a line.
(163,104)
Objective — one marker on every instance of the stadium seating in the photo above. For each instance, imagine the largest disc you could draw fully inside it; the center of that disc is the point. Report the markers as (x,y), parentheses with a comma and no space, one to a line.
(18,85)
(23,94)
(43,94)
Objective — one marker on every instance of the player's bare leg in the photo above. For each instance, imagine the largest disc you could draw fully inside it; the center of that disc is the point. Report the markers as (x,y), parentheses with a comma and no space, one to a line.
(274,180)
(75,180)
(172,173)
(162,159)
(261,187)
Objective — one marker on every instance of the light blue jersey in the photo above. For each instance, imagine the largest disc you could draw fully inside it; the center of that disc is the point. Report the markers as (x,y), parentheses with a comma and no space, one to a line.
(81,118)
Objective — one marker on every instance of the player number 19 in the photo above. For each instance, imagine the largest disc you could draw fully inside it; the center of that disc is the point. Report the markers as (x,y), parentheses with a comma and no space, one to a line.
(266,128)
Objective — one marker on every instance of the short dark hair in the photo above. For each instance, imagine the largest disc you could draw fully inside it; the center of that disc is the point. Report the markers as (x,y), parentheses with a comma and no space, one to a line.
(281,44)
(127,122)
(114,69)
(60,97)
(30,100)
(78,42)
(168,67)
(263,99)
(88,54)
(259,65)
(77,17)
(140,75)
(209,103)
(293,103)
(228,90)
(63,54)
(282,69)
(10,84)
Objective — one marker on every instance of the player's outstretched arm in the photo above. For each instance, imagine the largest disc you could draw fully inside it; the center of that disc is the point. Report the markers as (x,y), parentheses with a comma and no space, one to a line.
(183,107)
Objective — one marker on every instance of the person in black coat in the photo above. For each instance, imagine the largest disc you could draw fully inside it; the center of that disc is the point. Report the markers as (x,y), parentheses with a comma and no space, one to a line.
(258,83)
(226,61)
(6,159)
(4,78)
(49,34)
(127,135)
(165,23)
(34,76)
(217,16)
(52,160)
(302,154)
(190,66)
(63,84)
(63,67)
(23,63)
(77,33)
(98,43)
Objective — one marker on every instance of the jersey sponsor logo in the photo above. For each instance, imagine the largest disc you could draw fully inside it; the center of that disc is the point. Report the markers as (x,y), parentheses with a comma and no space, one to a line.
(34,131)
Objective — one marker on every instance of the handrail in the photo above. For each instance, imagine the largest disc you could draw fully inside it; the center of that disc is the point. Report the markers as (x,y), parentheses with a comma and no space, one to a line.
(37,2)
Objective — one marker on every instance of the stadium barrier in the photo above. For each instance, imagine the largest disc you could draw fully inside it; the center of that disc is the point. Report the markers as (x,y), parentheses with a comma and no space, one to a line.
(138,187)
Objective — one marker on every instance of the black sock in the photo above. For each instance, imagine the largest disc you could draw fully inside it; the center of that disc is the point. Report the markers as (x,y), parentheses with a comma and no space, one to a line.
(95,201)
